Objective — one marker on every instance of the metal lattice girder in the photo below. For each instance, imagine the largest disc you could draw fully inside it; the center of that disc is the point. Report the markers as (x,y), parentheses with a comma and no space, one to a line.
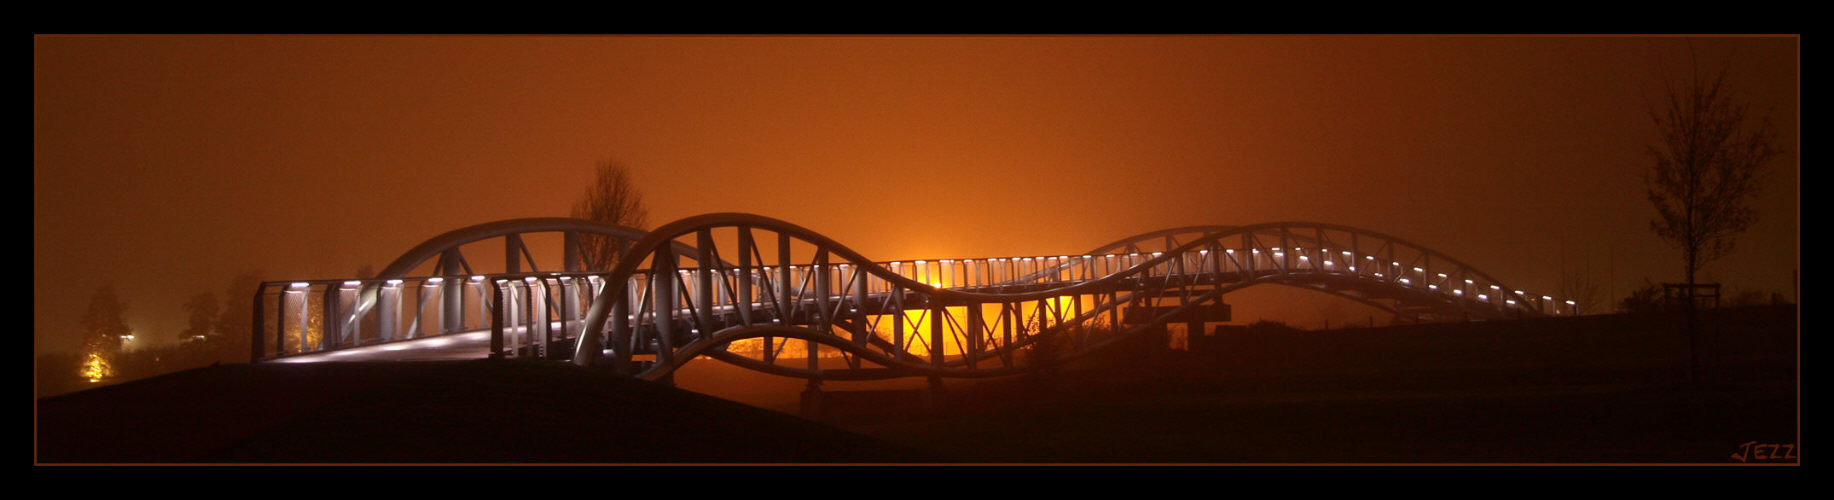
(1156,277)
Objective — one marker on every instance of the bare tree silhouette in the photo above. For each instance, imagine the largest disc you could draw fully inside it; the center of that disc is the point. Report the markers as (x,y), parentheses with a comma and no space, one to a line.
(1707,167)
(1706,171)
(1576,284)
(611,199)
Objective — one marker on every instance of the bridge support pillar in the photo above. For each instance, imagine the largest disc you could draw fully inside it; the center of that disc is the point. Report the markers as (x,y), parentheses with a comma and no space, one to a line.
(811,400)
(933,398)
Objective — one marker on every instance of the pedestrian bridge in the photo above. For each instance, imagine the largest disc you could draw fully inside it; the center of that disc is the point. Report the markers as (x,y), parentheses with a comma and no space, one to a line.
(775,297)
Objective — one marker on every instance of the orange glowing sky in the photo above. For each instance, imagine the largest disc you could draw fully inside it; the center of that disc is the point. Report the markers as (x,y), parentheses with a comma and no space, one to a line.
(165,164)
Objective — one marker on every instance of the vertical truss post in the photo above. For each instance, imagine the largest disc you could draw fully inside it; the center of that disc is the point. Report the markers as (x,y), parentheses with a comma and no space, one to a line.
(1355,252)
(1286,251)
(570,254)
(569,306)
(823,307)
(746,246)
(936,331)
(703,280)
(859,304)
(662,285)
(452,293)
(512,253)
(1389,262)
(973,348)
(897,312)
(1253,255)
(824,304)
(538,317)
(620,327)
(1114,312)
(328,319)
(783,279)
(1007,318)
(388,309)
(496,319)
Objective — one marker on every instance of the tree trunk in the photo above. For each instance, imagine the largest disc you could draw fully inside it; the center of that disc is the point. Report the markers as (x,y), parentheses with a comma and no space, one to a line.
(1693,329)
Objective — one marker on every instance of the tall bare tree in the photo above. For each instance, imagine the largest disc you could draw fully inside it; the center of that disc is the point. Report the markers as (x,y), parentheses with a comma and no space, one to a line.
(611,199)
(1576,285)
(1707,168)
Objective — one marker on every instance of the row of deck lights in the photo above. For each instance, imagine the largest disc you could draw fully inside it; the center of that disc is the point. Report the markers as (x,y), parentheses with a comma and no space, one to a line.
(945,274)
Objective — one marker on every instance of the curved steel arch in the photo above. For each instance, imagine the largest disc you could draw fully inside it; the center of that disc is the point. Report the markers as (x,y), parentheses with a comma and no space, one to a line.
(1196,271)
(438,246)
(1170,237)
(447,248)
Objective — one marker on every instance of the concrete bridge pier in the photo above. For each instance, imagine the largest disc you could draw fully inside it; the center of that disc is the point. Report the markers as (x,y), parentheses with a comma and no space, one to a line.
(933,398)
(811,399)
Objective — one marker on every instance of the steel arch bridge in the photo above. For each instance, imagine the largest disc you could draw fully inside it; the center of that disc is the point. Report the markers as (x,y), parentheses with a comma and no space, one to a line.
(775,297)
(973,317)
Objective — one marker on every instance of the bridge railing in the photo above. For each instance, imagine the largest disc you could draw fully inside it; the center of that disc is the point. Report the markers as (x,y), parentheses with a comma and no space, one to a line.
(293,318)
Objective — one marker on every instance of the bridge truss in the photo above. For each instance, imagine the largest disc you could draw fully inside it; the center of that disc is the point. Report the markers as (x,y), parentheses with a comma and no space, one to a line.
(775,297)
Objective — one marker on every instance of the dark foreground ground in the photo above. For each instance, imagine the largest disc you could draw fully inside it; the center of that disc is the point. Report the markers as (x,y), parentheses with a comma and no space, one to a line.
(460,411)
(1600,389)
(1610,389)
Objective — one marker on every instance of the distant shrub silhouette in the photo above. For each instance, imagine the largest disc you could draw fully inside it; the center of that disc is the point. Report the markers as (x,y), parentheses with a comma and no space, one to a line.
(1266,327)
(1644,299)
